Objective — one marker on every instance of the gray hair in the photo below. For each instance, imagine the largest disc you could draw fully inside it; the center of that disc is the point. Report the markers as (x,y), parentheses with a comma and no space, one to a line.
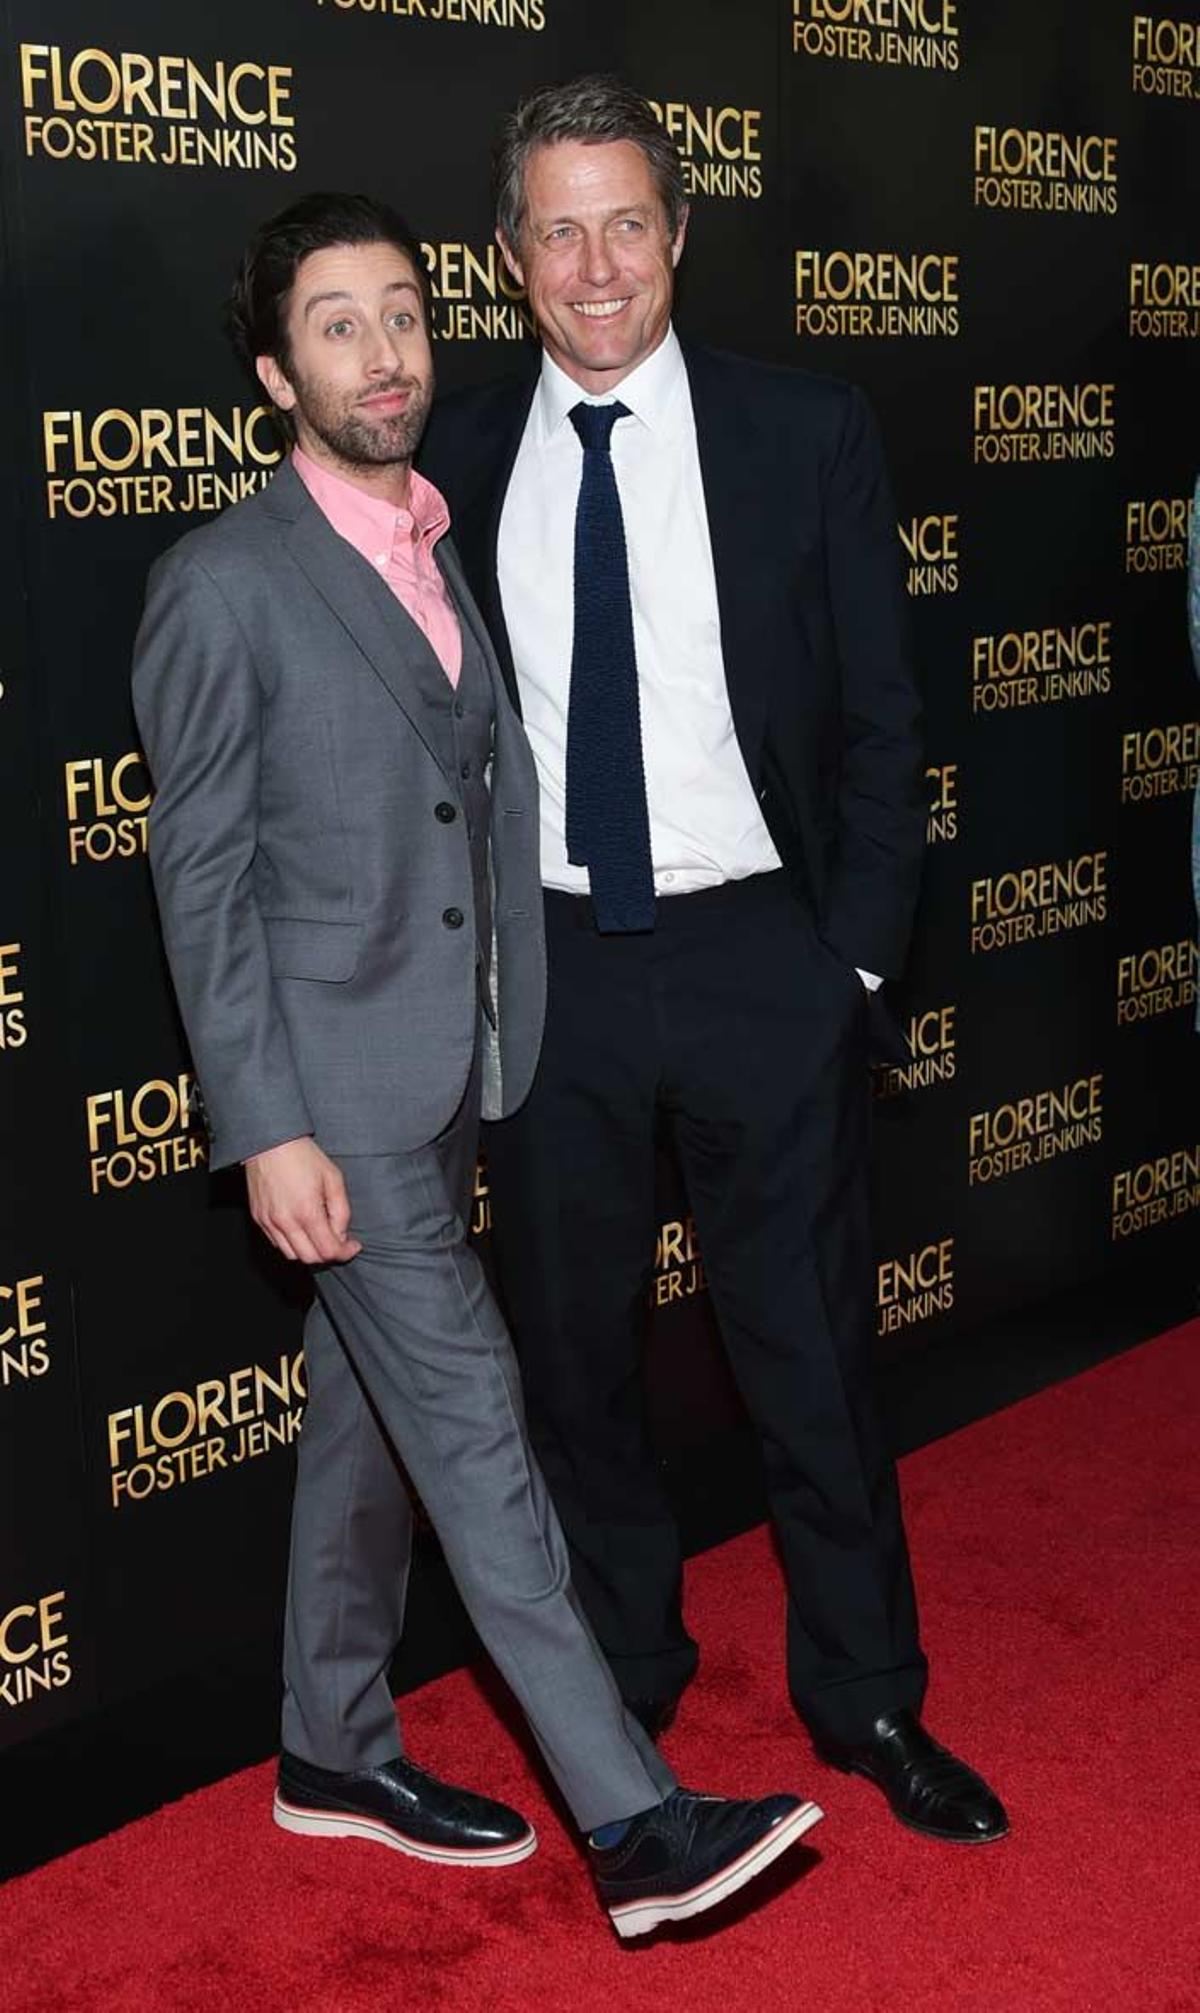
(592,108)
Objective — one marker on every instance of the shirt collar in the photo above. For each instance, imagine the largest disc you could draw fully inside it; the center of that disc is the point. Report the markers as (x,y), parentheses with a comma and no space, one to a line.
(368,523)
(650,391)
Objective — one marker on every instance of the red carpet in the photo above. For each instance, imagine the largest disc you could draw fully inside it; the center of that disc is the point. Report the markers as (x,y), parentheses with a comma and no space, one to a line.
(1056,1547)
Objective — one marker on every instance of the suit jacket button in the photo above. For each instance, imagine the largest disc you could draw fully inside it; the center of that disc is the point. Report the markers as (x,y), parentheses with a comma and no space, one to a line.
(453,918)
(445,813)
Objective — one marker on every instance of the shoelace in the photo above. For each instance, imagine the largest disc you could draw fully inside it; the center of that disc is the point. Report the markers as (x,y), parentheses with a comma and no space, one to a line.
(942,1771)
(682,1808)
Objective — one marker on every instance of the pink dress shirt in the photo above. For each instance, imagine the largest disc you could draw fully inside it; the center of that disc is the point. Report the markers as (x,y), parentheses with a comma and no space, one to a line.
(398,544)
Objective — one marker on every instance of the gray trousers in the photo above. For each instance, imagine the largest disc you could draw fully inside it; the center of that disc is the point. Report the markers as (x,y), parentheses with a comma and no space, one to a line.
(406,1351)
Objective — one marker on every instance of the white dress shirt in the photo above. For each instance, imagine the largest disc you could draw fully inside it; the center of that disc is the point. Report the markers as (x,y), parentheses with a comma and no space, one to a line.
(705,823)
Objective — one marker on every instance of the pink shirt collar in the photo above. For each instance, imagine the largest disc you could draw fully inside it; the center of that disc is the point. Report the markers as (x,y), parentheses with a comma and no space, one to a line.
(370,525)
(398,545)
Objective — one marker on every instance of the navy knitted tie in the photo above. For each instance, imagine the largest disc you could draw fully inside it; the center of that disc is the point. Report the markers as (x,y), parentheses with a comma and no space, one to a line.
(608,825)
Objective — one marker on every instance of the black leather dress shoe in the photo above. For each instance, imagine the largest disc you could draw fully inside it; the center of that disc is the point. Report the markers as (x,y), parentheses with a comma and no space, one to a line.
(928,1787)
(655,1714)
(690,1852)
(398,1804)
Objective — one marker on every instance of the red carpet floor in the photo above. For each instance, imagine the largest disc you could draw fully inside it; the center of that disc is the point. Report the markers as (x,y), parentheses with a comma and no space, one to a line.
(1057,1552)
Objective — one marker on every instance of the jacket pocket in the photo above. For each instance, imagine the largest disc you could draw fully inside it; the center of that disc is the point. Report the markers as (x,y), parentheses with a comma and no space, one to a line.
(300,948)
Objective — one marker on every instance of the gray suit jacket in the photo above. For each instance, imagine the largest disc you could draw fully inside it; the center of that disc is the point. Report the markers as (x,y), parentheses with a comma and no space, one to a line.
(301,869)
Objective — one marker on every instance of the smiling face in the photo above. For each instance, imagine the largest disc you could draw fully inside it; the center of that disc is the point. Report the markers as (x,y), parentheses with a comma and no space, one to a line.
(358,376)
(596,257)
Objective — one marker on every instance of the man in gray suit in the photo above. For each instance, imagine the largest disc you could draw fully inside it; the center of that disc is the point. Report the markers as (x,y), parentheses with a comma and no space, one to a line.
(345,850)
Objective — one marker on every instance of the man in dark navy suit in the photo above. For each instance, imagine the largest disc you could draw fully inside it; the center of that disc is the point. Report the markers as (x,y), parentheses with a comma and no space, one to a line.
(689,564)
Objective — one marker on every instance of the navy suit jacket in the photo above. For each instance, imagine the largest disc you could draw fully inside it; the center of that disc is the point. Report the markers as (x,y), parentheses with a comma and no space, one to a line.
(814,620)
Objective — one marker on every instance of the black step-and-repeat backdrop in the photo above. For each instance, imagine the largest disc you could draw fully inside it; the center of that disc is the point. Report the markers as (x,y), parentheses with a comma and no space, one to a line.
(987,216)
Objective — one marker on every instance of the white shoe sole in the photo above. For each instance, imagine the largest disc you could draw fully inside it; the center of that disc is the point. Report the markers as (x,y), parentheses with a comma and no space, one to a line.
(634,1918)
(374,1830)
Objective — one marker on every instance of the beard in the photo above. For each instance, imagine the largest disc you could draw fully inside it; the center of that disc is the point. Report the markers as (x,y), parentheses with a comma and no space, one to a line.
(353,436)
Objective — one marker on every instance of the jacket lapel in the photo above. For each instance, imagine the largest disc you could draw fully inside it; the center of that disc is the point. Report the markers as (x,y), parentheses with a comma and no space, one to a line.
(737,500)
(463,599)
(477,525)
(513,772)
(351,591)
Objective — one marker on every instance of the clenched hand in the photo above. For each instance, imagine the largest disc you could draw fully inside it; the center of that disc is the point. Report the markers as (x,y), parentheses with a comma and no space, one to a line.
(298,1200)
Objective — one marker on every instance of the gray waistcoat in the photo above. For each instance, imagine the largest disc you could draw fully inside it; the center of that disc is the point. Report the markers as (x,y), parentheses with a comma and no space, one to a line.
(461,723)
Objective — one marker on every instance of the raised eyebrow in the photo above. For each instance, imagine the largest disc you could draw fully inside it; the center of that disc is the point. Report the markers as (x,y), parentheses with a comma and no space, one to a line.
(622,210)
(320,300)
(341,294)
